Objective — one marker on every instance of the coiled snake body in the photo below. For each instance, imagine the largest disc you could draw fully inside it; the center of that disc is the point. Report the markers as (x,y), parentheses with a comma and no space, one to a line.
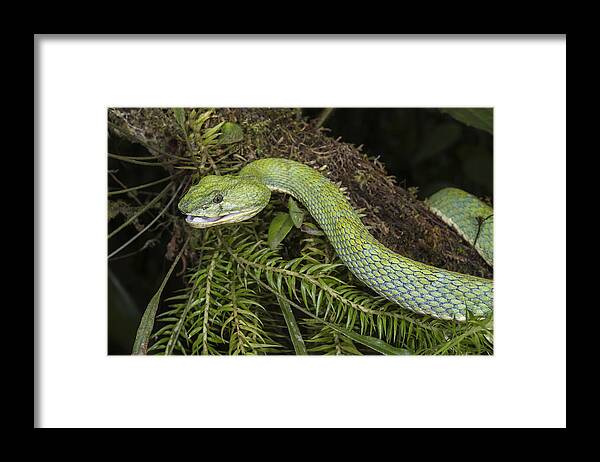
(414,285)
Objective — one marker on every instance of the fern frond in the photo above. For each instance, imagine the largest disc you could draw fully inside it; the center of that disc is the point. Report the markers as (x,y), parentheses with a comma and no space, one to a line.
(325,340)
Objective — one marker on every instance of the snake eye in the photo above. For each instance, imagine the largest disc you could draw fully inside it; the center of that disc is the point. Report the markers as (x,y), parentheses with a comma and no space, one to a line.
(218,198)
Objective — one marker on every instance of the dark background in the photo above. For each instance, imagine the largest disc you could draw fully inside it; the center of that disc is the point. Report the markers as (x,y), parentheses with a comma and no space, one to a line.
(422,148)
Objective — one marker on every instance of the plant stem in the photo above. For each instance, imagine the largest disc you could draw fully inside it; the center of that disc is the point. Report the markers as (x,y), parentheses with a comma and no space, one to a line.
(325,113)
(148,225)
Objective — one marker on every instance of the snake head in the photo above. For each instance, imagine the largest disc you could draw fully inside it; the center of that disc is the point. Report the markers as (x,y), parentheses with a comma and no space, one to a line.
(217,200)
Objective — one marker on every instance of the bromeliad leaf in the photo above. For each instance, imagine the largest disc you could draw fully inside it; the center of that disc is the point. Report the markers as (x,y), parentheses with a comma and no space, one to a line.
(199,122)
(279,229)
(179,116)
(211,134)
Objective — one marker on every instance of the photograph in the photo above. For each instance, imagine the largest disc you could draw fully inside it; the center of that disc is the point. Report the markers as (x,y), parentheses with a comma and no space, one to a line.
(300,231)
(264,231)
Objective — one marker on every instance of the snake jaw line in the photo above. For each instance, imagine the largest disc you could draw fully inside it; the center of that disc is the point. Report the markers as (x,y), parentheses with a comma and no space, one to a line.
(199,221)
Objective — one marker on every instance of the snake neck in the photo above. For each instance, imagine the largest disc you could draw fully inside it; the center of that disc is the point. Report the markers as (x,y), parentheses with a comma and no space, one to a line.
(411,284)
(323,199)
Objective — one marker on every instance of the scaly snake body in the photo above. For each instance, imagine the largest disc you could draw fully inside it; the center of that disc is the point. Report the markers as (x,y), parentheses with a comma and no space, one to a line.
(414,285)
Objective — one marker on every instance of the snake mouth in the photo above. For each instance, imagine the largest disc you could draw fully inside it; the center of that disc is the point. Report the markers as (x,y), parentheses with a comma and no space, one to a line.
(200,220)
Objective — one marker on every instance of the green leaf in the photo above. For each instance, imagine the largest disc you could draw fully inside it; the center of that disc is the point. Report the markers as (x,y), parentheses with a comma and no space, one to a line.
(179,116)
(210,134)
(279,229)
(311,229)
(231,133)
(374,343)
(202,118)
(290,320)
(482,118)
(296,213)
(140,345)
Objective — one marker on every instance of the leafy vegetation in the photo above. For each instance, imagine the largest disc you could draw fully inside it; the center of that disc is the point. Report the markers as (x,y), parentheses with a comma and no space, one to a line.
(271,285)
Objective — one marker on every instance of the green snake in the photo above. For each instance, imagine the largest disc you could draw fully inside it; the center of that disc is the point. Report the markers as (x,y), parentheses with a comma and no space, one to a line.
(422,288)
